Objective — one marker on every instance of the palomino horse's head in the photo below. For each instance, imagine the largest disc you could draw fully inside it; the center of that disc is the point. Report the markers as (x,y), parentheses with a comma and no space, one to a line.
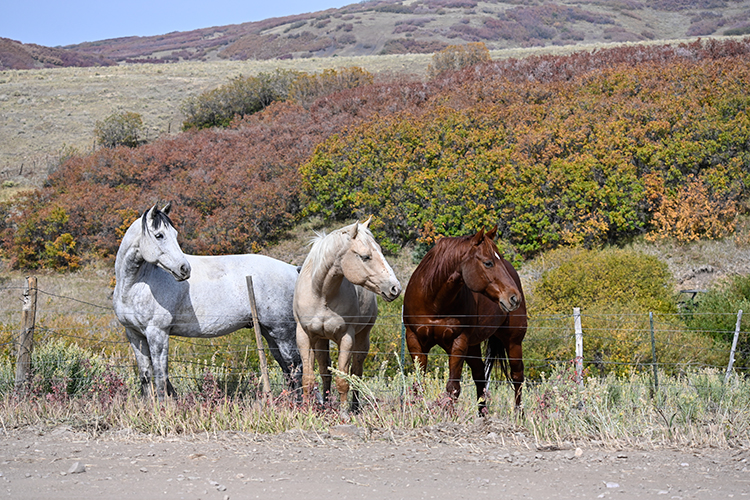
(158,243)
(484,272)
(364,264)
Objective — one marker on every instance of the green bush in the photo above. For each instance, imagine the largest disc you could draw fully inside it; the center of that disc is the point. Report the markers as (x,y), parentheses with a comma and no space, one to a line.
(62,369)
(455,57)
(241,96)
(715,315)
(120,129)
(592,278)
(615,291)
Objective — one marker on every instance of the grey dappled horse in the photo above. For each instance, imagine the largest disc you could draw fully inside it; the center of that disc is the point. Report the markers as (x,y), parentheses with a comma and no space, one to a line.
(161,291)
(335,299)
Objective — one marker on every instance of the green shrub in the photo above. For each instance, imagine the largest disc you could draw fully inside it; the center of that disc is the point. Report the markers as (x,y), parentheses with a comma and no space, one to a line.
(455,57)
(61,368)
(120,129)
(715,315)
(306,89)
(241,96)
(592,278)
(615,291)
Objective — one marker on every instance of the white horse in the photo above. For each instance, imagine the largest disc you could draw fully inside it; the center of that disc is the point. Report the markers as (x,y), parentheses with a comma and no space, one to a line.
(161,291)
(335,299)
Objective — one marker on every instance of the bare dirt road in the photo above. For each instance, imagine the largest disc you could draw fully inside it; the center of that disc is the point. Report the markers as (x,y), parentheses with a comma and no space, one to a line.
(445,462)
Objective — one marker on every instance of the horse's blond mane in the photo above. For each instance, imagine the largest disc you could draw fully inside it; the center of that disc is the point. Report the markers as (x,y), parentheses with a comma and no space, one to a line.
(325,249)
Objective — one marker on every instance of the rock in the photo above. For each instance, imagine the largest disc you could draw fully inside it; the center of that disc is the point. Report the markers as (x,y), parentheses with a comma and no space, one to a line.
(77,468)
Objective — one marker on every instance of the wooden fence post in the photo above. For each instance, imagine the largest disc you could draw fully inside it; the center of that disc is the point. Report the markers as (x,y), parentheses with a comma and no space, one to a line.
(734,346)
(258,339)
(653,351)
(579,345)
(26,339)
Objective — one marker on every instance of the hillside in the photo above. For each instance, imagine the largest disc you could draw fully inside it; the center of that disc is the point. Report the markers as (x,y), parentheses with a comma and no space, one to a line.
(426,26)
(408,27)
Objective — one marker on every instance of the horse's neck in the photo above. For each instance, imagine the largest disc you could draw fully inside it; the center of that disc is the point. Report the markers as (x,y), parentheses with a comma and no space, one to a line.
(447,282)
(129,259)
(328,279)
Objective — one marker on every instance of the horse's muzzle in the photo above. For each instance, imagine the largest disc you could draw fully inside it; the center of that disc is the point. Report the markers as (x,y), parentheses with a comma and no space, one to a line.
(511,304)
(392,293)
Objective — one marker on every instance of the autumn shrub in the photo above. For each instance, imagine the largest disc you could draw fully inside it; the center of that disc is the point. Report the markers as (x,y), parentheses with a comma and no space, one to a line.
(120,129)
(455,57)
(603,157)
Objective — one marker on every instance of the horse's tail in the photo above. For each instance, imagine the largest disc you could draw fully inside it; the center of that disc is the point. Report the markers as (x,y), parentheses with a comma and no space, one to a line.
(496,351)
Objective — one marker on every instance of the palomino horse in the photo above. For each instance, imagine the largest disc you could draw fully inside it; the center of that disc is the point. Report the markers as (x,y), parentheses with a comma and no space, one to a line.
(335,299)
(461,294)
(160,291)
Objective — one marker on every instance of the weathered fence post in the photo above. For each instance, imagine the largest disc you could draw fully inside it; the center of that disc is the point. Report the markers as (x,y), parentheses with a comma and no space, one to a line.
(579,344)
(258,338)
(653,351)
(734,346)
(26,339)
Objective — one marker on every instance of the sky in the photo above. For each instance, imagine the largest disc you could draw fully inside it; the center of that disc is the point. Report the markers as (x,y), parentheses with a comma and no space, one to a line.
(65,22)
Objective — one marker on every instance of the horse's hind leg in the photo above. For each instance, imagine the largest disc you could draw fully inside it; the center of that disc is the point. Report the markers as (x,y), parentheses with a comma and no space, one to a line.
(143,358)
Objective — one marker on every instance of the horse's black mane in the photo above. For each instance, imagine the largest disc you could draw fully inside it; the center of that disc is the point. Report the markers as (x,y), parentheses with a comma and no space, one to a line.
(159,219)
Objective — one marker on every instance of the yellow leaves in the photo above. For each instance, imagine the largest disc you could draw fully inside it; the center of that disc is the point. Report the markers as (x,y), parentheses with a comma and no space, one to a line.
(689,212)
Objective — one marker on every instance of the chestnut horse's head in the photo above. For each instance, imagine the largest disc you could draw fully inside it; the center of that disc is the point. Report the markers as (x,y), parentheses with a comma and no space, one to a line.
(485,272)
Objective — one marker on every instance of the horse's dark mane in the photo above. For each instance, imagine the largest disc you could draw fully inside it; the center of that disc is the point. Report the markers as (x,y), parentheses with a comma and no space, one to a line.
(159,219)
(440,262)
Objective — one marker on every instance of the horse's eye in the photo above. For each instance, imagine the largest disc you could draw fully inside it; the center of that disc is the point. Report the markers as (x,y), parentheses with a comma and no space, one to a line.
(489,263)
(159,236)
(365,258)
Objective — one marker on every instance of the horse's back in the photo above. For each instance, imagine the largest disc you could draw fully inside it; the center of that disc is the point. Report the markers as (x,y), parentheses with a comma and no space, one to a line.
(219,284)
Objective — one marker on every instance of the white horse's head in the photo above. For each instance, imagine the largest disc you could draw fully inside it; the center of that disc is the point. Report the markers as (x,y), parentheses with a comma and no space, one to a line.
(158,243)
(364,264)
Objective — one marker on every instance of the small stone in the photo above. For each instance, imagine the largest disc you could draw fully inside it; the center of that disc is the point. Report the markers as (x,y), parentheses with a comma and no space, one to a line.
(579,453)
(77,468)
(345,430)
(612,485)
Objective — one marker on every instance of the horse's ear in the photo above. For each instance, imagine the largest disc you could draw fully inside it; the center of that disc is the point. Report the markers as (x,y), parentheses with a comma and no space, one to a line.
(167,208)
(353,230)
(150,214)
(492,233)
(478,238)
(367,222)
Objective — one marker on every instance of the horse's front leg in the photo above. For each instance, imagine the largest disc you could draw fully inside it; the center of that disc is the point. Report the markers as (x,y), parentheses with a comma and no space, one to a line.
(345,359)
(360,350)
(323,356)
(475,362)
(158,344)
(143,358)
(456,357)
(308,362)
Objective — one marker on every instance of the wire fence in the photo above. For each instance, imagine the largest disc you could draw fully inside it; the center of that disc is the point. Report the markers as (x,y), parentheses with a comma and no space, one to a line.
(612,344)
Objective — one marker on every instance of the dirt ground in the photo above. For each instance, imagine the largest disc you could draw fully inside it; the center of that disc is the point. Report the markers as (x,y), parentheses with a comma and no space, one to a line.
(347,462)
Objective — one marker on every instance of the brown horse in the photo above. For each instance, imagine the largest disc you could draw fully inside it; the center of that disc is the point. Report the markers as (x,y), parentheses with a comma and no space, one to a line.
(461,294)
